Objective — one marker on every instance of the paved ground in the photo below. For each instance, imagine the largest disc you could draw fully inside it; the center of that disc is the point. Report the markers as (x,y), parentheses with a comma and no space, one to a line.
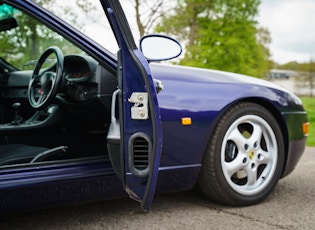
(290,206)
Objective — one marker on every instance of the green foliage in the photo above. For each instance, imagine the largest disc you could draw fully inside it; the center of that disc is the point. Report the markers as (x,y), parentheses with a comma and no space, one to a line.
(219,34)
(309,105)
(298,66)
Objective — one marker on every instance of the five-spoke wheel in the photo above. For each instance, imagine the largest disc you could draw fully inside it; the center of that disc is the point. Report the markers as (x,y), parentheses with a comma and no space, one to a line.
(245,156)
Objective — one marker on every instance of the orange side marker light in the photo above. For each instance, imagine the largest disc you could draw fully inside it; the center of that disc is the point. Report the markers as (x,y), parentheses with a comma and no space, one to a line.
(186,121)
(305,128)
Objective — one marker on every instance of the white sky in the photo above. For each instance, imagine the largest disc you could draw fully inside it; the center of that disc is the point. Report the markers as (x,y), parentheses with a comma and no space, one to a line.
(291,24)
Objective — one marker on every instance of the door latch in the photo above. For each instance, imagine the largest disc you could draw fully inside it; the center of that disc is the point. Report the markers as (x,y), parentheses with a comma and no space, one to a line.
(139,111)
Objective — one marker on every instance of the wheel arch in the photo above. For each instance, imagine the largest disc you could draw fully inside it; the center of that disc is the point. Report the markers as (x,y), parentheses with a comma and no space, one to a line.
(275,113)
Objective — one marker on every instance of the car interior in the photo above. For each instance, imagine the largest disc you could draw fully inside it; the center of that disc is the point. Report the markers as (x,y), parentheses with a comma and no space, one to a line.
(74,125)
(56,107)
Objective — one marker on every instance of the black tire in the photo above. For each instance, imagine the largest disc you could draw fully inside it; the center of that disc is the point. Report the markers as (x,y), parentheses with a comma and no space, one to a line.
(244,157)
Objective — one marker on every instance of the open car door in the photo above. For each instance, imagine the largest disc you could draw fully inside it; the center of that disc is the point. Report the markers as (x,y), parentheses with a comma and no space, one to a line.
(135,137)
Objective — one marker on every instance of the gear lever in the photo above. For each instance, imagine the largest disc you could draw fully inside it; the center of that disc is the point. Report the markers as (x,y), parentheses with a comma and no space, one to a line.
(18,119)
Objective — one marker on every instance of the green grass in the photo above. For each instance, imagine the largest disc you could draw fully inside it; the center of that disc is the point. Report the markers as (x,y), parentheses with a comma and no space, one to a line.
(309,105)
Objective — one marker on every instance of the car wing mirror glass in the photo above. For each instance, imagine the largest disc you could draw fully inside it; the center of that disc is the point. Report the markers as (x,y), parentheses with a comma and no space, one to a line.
(159,47)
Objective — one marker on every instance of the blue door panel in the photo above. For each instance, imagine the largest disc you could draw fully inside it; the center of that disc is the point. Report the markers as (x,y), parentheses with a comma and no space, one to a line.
(141,138)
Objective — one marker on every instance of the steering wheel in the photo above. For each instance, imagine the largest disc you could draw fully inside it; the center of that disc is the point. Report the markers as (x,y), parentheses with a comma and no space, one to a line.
(43,85)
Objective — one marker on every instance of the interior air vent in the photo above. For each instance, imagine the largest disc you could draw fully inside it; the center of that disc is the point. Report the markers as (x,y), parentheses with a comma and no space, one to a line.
(140,150)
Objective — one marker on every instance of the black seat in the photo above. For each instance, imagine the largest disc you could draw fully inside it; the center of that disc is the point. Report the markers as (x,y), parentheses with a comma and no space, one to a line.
(18,153)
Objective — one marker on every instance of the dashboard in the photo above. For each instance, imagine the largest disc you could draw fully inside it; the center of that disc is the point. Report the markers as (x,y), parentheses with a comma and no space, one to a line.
(82,79)
(79,78)
(79,68)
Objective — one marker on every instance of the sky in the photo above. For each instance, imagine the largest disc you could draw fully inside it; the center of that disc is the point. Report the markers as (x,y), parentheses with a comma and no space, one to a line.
(291,24)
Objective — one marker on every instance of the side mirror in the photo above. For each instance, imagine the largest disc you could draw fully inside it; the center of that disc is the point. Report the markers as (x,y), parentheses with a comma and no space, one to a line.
(159,47)
(8,24)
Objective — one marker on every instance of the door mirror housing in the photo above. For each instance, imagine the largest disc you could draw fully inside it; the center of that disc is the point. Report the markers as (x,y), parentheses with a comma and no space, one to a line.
(158,47)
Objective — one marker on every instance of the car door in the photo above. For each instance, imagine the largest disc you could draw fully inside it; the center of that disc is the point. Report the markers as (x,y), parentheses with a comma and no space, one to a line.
(138,126)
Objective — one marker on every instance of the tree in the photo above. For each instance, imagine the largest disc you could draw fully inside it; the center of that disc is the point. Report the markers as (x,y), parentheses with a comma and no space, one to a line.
(264,40)
(146,18)
(147,13)
(219,34)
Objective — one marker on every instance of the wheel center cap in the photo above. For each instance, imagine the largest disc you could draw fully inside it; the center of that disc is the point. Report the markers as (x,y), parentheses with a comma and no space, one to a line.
(251,154)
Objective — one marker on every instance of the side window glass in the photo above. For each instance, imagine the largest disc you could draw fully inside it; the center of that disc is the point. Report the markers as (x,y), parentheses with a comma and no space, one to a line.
(86,16)
(22,46)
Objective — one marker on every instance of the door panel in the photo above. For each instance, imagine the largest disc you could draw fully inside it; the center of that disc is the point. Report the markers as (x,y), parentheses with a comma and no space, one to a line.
(139,116)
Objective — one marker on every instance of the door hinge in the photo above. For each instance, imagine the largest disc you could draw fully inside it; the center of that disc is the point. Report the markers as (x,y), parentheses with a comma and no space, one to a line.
(139,111)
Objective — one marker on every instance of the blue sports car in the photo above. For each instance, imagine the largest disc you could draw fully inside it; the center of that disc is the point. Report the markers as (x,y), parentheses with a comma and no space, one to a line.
(86,115)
